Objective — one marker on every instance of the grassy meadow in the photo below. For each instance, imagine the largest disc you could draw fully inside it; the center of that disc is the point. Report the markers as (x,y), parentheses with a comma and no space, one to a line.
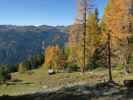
(38,80)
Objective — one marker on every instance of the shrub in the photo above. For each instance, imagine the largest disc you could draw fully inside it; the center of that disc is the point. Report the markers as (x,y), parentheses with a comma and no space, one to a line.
(23,67)
(71,67)
(4,74)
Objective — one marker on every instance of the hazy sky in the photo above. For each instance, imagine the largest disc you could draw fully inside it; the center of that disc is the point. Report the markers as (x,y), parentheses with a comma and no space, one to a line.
(37,12)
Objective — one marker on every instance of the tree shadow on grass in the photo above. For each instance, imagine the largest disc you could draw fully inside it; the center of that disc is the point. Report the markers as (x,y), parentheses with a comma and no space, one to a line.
(17,82)
(100,91)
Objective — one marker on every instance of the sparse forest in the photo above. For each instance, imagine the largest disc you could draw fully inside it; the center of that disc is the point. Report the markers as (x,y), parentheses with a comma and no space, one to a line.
(95,63)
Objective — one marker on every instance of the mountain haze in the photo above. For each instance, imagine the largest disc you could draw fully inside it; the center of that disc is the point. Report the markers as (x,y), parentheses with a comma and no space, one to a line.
(20,42)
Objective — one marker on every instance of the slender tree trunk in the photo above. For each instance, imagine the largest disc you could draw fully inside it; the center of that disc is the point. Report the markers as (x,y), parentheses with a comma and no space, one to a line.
(84,65)
(109,57)
(126,55)
(83,7)
(85,15)
(126,71)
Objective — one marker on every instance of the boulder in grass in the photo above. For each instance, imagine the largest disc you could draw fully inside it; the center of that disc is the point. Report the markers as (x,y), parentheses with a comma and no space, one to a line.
(51,72)
(128,83)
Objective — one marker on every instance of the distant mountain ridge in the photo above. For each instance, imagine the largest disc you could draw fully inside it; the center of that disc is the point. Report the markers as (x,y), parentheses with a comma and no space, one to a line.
(20,42)
(33,28)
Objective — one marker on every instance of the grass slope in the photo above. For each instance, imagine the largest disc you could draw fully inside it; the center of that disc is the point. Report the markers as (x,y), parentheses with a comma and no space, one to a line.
(39,81)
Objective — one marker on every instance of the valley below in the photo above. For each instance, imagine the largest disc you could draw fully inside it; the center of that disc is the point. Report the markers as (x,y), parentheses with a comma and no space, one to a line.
(18,43)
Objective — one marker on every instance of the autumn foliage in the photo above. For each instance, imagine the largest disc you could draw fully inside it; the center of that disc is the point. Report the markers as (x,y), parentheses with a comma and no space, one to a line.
(52,54)
(87,41)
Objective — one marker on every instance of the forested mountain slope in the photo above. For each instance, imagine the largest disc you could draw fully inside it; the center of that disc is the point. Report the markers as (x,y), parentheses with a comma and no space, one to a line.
(20,42)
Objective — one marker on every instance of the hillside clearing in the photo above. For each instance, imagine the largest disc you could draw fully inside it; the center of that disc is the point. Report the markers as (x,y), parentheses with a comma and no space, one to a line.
(39,81)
